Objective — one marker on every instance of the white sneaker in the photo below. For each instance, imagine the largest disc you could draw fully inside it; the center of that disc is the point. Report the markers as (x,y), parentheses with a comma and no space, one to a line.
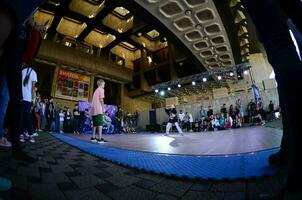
(32,139)
(22,139)
(94,140)
(26,135)
(100,141)
(4,142)
(35,134)
(166,134)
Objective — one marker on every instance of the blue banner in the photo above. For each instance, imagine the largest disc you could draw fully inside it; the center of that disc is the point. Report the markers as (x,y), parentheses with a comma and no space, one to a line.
(256,92)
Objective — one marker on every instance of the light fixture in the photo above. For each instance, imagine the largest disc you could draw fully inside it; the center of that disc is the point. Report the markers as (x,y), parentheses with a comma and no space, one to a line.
(169,88)
(219,77)
(204,79)
(231,74)
(149,59)
(188,12)
(156,90)
(162,93)
(193,83)
(246,72)
(139,34)
(179,85)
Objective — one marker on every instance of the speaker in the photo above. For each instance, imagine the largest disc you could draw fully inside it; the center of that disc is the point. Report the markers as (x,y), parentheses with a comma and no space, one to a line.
(152,117)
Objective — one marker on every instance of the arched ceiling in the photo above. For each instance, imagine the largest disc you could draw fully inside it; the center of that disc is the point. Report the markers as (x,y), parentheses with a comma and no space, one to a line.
(198,25)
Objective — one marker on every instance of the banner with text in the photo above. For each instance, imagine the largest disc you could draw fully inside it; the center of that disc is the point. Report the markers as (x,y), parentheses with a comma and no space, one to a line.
(72,86)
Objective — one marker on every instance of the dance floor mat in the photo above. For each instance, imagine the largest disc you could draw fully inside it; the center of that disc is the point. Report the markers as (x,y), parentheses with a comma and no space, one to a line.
(246,165)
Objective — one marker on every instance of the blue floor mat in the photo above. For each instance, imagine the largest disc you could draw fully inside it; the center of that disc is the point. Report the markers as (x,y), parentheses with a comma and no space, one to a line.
(205,167)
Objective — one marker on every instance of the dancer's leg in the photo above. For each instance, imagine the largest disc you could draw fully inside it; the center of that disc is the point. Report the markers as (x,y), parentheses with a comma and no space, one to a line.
(178,128)
(168,127)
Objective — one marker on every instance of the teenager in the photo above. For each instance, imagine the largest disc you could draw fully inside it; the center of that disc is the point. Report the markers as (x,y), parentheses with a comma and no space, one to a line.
(97,111)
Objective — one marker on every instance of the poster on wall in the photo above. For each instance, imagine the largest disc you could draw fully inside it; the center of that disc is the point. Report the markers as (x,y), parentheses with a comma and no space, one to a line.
(72,86)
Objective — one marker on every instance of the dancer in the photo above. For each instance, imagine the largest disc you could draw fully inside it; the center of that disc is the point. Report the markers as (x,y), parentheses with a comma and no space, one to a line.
(172,113)
(97,111)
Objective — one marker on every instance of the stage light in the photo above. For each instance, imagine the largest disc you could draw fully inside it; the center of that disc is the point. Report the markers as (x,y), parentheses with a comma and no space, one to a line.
(169,88)
(204,79)
(179,85)
(219,77)
(156,90)
(231,74)
(149,59)
(193,83)
(162,93)
(246,72)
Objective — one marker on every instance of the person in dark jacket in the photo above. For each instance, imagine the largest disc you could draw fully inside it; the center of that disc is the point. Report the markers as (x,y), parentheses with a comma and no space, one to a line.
(172,113)
(273,31)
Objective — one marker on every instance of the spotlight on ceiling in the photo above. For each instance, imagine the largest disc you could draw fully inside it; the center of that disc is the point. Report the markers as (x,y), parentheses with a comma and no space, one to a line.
(231,73)
(169,88)
(246,72)
(179,85)
(193,83)
(204,79)
(139,34)
(219,77)
(162,93)
(156,90)
(149,59)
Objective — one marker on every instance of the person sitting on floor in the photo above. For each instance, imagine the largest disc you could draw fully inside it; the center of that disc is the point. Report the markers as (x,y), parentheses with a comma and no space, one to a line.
(108,122)
(229,122)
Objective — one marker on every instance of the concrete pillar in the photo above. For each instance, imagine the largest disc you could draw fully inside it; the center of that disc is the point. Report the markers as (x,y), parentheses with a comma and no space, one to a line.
(91,88)
(54,81)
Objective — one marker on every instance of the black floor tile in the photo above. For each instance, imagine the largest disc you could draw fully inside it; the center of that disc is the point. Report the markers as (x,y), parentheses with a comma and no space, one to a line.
(66,186)
(107,187)
(145,184)
(103,175)
(76,165)
(33,179)
(73,173)
(53,163)
(45,170)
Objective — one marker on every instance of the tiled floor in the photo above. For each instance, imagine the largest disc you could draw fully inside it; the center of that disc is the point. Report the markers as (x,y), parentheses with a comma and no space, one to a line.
(64,172)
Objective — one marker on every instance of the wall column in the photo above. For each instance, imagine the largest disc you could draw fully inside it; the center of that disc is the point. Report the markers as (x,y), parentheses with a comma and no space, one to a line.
(122,95)
(54,81)
(91,88)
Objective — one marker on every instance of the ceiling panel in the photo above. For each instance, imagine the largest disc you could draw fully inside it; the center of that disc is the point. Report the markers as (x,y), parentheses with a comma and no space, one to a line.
(70,27)
(99,39)
(117,22)
(86,8)
(43,17)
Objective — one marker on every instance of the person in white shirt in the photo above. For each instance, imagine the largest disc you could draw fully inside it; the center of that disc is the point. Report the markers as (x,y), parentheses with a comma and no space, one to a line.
(61,118)
(29,79)
(181,117)
(191,120)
